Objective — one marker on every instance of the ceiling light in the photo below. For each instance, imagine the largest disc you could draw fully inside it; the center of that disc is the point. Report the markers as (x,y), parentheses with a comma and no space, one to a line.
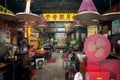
(61,29)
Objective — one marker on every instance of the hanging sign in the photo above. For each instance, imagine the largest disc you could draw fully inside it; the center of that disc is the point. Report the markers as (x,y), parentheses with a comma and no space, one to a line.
(59,16)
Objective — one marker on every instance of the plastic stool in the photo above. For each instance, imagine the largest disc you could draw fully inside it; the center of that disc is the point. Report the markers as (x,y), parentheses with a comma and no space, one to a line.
(69,72)
(65,60)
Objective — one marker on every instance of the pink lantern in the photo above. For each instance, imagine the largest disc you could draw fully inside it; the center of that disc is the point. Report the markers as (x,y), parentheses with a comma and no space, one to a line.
(77,23)
(41,22)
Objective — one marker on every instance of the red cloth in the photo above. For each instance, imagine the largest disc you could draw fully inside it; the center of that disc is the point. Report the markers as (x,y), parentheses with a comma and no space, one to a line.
(65,57)
(113,66)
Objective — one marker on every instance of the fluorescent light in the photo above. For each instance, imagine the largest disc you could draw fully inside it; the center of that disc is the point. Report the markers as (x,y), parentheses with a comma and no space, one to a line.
(60,29)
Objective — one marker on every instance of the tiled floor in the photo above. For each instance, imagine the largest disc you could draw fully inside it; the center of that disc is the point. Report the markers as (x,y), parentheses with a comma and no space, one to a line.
(51,71)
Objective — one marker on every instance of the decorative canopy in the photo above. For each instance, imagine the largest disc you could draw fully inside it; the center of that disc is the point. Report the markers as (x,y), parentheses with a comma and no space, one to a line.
(88,13)
(41,22)
(111,16)
(26,16)
(97,47)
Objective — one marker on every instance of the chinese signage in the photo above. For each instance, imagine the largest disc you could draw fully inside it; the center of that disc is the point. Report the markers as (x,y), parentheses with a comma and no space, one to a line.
(59,16)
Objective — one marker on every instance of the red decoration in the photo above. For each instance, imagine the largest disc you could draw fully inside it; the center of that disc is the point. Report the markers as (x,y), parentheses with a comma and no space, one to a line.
(97,47)
(112,65)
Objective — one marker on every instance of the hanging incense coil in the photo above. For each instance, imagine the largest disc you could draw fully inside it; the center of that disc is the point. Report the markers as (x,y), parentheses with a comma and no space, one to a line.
(27,16)
(88,14)
(111,16)
(41,23)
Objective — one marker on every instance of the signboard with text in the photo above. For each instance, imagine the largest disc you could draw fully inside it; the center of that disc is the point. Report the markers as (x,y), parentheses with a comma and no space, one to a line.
(59,16)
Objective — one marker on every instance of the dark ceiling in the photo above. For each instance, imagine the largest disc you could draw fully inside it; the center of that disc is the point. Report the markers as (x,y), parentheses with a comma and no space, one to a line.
(54,6)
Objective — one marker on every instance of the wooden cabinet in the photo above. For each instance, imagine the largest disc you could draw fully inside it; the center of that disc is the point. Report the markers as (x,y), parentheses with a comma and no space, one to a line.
(13,70)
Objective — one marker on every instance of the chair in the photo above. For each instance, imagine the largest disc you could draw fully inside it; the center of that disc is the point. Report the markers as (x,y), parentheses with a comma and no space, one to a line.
(65,58)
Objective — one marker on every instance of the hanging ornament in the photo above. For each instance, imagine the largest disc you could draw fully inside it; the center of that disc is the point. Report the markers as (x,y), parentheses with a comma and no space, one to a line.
(77,23)
(88,13)
(41,23)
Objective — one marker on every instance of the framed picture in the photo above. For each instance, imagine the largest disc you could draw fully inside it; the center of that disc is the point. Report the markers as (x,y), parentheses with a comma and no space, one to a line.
(115,26)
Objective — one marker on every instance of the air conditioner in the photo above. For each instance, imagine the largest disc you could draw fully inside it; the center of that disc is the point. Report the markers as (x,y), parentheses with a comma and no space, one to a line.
(39,63)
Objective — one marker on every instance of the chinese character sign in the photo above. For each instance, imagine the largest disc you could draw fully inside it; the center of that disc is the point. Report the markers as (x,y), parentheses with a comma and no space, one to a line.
(59,16)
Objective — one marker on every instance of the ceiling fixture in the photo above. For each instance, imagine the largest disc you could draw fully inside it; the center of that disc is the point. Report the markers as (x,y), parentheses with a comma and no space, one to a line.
(61,29)
(27,17)
(41,23)
(87,13)
(111,16)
